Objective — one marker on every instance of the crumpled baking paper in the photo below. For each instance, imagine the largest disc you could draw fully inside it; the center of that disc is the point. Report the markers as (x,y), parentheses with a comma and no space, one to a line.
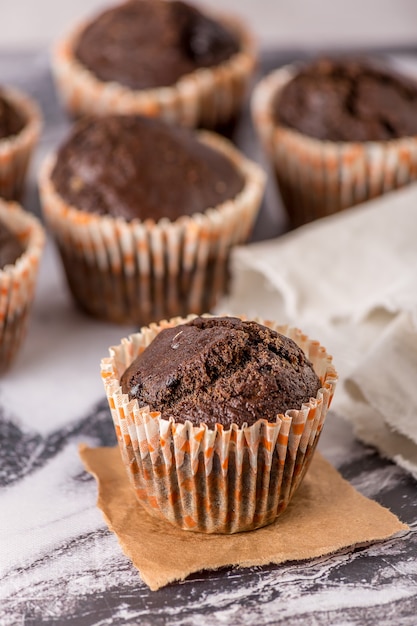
(325,515)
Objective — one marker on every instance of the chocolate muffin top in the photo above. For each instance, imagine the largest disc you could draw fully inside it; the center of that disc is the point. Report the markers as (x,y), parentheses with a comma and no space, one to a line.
(10,247)
(152,43)
(138,167)
(221,370)
(11,120)
(349,100)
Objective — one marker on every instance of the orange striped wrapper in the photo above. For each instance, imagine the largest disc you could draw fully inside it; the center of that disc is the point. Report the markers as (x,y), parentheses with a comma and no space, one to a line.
(17,281)
(207,97)
(221,480)
(317,178)
(141,271)
(16,151)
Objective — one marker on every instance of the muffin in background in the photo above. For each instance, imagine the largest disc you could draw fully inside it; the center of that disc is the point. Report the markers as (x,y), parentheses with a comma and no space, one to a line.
(21,244)
(338,132)
(217,418)
(145,214)
(156,58)
(20,127)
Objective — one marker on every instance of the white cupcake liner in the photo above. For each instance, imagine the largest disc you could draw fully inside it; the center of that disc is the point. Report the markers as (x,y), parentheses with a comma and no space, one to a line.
(317,178)
(220,480)
(16,151)
(140,271)
(206,97)
(17,281)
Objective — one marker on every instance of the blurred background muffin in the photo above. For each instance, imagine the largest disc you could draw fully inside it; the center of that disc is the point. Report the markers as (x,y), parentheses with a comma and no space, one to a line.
(157,58)
(20,127)
(338,132)
(145,214)
(21,245)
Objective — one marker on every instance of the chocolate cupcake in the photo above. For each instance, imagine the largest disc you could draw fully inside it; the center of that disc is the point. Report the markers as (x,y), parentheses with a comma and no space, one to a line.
(21,244)
(217,418)
(156,58)
(338,132)
(145,214)
(20,126)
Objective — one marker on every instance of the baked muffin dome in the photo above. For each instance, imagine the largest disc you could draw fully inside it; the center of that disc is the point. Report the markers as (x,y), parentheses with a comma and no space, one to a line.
(221,370)
(143,44)
(12,120)
(20,127)
(349,100)
(139,167)
(10,246)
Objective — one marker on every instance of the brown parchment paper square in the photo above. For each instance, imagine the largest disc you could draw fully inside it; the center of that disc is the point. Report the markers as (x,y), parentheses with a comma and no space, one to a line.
(325,515)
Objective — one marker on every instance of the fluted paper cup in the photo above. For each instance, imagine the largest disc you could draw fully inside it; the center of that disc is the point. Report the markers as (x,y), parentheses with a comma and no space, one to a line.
(141,271)
(17,281)
(16,151)
(208,97)
(318,178)
(221,480)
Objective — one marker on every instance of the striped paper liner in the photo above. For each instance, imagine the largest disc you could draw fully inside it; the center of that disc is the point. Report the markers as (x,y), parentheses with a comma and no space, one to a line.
(207,97)
(141,271)
(17,281)
(318,178)
(220,480)
(16,151)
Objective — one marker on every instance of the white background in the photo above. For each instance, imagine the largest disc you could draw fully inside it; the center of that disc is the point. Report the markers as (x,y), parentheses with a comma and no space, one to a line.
(278,23)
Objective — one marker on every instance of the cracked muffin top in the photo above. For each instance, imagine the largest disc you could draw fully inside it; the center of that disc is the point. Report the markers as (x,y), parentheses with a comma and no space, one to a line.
(221,370)
(12,121)
(138,167)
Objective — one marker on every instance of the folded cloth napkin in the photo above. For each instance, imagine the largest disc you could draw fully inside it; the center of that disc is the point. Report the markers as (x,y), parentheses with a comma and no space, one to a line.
(351,280)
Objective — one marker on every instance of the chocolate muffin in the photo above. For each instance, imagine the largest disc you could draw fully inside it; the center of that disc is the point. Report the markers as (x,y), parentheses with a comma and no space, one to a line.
(10,246)
(338,131)
(21,244)
(141,168)
(12,120)
(20,125)
(143,44)
(158,58)
(217,419)
(348,100)
(221,371)
(145,214)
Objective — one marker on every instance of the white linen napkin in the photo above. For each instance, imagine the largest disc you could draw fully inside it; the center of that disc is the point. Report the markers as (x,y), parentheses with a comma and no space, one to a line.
(351,281)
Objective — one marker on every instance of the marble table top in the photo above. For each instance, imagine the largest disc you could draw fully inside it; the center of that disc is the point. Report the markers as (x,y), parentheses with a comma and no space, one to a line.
(59,564)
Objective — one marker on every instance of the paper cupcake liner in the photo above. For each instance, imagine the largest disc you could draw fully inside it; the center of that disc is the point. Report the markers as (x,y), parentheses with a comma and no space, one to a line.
(141,271)
(17,281)
(16,151)
(220,480)
(206,97)
(317,178)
